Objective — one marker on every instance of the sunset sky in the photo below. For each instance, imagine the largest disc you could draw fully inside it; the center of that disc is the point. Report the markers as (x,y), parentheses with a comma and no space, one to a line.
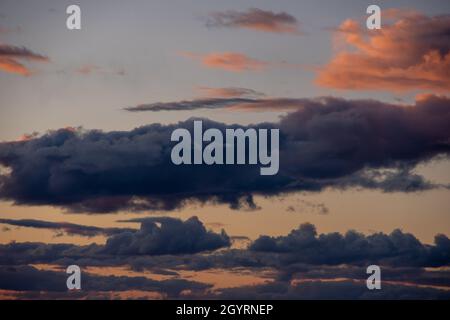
(85,123)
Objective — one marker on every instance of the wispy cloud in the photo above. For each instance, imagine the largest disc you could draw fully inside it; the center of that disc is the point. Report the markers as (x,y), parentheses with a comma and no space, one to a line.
(68,228)
(89,69)
(255,19)
(228,92)
(228,61)
(10,57)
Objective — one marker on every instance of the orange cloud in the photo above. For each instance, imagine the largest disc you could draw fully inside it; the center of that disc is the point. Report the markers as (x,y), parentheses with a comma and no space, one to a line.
(91,68)
(255,19)
(229,61)
(411,53)
(10,56)
(87,69)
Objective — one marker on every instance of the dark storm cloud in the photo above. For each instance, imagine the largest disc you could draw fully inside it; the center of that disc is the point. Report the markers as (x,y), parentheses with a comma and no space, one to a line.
(171,236)
(335,290)
(68,228)
(302,264)
(157,236)
(255,19)
(326,142)
(170,243)
(398,248)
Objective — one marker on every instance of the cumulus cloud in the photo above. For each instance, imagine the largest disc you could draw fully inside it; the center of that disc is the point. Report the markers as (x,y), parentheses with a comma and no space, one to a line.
(302,264)
(412,53)
(401,249)
(171,236)
(327,142)
(10,57)
(255,19)
(156,236)
(168,243)
(228,61)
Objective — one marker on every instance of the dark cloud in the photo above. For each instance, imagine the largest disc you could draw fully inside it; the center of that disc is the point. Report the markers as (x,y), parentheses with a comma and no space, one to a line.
(68,228)
(398,248)
(170,243)
(334,290)
(255,19)
(205,103)
(171,236)
(156,236)
(20,52)
(326,142)
(27,278)
(302,264)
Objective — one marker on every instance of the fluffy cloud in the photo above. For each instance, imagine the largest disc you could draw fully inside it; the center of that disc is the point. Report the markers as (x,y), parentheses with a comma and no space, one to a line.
(302,264)
(172,236)
(169,243)
(412,53)
(10,57)
(398,248)
(327,142)
(255,19)
(157,236)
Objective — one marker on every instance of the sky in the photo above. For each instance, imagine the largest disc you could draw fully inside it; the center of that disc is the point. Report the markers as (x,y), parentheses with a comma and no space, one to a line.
(85,123)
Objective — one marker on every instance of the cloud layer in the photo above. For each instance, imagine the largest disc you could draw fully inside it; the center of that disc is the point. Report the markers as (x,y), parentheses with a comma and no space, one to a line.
(326,142)
(302,264)
(68,228)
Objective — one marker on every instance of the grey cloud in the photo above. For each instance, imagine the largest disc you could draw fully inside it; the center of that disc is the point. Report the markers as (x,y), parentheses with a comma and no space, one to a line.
(20,52)
(255,19)
(68,228)
(398,248)
(27,278)
(172,236)
(326,142)
(205,103)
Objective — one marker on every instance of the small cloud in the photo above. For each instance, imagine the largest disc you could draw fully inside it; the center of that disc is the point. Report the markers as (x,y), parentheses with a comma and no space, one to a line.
(11,56)
(228,61)
(89,69)
(228,92)
(255,19)
(306,206)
